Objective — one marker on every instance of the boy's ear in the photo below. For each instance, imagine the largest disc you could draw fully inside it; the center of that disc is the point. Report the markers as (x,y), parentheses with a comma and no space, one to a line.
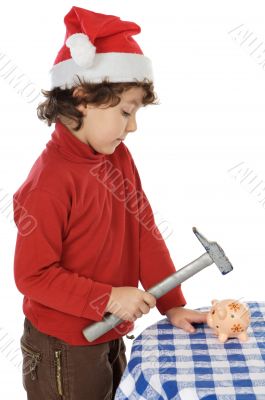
(82,108)
(78,91)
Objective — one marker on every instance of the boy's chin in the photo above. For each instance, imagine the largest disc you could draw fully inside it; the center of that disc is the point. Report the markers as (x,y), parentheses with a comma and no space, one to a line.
(110,149)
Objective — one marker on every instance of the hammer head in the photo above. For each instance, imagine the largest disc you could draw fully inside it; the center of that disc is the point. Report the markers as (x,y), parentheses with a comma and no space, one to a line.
(216,253)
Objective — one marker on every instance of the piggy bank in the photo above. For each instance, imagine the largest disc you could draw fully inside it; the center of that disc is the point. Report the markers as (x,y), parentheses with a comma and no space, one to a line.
(229,319)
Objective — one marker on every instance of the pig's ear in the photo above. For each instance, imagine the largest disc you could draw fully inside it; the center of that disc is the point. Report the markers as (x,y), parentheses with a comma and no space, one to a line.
(214,302)
(221,312)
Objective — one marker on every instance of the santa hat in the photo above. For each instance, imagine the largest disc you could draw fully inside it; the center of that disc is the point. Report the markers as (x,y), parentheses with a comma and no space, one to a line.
(96,47)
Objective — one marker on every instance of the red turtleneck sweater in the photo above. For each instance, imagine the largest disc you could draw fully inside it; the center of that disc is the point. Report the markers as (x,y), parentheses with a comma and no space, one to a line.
(84,225)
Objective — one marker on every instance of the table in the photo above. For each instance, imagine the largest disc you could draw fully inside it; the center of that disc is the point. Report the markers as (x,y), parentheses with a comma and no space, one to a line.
(168,363)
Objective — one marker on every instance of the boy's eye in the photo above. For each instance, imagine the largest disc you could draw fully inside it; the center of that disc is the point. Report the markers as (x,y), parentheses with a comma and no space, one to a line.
(126,114)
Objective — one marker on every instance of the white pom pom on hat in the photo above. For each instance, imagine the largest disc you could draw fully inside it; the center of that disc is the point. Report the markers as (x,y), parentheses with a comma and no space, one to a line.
(82,50)
(99,46)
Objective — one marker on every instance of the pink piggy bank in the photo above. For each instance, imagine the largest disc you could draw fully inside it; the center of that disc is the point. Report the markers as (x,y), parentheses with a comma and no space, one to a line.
(229,319)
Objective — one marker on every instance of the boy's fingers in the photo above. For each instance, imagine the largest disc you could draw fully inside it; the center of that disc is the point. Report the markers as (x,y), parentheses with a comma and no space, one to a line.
(149,299)
(138,314)
(186,326)
(144,308)
(199,317)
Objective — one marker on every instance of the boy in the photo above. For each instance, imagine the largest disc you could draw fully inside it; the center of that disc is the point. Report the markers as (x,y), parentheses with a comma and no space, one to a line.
(86,231)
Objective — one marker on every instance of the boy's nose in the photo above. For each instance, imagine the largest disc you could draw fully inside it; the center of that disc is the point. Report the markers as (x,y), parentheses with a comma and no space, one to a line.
(131,126)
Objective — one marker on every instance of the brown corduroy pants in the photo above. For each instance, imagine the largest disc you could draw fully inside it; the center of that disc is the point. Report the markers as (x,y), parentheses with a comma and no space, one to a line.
(55,370)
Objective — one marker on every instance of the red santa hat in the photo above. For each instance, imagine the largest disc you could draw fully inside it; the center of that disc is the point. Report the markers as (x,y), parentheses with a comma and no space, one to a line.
(98,46)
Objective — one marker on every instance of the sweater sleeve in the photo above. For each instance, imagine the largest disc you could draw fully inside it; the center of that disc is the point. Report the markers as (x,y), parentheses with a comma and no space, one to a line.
(41,220)
(155,260)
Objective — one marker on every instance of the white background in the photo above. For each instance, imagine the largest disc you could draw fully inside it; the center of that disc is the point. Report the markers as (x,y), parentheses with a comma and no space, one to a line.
(210,119)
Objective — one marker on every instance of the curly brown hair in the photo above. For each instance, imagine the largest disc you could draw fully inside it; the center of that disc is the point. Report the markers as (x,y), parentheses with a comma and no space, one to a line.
(62,102)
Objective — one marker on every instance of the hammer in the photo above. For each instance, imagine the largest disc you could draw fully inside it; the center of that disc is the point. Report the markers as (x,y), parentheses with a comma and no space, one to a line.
(214,254)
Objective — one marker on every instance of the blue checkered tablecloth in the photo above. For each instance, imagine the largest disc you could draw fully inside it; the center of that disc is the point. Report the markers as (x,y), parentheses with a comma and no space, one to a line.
(168,363)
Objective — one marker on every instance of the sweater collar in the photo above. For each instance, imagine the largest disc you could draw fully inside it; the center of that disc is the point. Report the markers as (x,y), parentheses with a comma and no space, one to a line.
(71,147)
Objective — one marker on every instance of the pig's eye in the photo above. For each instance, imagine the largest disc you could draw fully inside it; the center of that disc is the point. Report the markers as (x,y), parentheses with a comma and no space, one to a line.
(213,312)
(217,326)
(232,316)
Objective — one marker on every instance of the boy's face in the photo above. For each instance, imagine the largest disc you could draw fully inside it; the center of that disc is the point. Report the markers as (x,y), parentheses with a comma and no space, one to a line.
(104,127)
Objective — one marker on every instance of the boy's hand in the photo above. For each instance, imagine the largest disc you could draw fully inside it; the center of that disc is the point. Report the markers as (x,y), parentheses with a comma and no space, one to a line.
(183,317)
(129,303)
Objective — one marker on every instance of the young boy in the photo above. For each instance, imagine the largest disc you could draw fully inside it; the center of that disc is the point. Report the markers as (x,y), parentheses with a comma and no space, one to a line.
(86,231)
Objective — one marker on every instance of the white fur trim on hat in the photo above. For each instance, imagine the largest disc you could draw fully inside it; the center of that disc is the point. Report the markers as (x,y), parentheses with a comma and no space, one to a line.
(117,67)
(81,49)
